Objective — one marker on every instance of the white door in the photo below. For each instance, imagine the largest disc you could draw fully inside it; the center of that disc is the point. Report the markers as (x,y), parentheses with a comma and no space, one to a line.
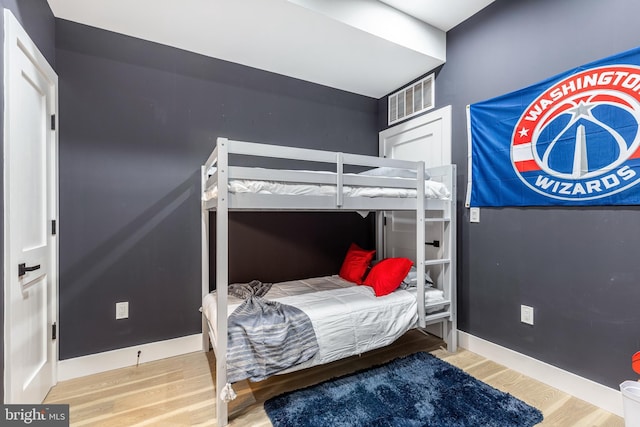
(426,138)
(30,186)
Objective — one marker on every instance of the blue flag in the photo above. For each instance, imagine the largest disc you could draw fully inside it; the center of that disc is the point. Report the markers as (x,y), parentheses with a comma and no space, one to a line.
(573,139)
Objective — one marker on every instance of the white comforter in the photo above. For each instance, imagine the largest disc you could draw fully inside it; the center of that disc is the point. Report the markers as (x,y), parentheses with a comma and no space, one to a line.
(347,319)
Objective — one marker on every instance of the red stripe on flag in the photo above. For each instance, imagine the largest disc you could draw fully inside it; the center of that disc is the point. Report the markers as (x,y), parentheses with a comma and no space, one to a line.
(610,98)
(527,166)
(636,154)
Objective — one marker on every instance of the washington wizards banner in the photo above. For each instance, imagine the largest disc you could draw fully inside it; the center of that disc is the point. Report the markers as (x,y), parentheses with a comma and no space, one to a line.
(573,139)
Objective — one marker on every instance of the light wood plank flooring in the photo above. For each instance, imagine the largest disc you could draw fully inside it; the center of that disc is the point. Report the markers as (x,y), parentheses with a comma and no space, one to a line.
(180,391)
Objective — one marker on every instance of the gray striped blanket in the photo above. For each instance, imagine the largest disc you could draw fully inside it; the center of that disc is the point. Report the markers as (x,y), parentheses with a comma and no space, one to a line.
(266,337)
(245,290)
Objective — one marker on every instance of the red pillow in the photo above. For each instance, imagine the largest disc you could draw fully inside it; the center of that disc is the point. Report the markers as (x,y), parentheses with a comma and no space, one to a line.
(355,263)
(386,276)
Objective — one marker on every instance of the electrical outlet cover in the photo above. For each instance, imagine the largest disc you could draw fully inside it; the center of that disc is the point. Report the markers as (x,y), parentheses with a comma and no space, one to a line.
(526,314)
(122,310)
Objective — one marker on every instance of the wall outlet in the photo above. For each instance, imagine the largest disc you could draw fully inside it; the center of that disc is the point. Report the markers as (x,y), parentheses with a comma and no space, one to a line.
(122,310)
(526,314)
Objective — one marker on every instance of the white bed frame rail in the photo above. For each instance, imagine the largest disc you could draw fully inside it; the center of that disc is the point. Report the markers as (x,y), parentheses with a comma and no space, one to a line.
(336,177)
(226,201)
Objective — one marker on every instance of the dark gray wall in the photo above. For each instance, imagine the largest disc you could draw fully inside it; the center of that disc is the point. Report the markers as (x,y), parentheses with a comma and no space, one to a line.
(37,19)
(291,245)
(577,267)
(137,121)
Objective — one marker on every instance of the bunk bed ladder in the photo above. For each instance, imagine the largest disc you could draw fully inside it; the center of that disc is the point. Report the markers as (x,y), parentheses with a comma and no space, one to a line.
(451,327)
(447,261)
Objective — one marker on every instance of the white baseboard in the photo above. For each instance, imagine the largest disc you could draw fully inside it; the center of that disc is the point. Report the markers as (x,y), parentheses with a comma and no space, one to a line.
(597,394)
(123,357)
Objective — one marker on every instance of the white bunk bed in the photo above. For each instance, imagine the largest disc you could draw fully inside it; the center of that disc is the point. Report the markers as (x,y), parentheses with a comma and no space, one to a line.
(228,188)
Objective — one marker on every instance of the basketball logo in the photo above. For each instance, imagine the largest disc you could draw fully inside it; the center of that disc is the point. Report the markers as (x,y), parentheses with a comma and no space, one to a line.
(580,139)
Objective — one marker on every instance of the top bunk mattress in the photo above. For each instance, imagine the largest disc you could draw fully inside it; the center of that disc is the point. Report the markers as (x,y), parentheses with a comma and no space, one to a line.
(432,189)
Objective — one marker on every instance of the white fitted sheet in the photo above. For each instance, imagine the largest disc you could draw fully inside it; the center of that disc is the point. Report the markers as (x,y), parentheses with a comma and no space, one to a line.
(348,319)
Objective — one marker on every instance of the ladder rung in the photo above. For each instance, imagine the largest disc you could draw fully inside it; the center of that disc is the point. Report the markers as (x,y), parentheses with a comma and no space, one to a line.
(437,304)
(437,316)
(437,261)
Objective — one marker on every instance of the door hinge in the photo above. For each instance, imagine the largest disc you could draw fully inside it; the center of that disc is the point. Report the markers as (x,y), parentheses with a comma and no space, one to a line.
(53,227)
(53,122)
(54,331)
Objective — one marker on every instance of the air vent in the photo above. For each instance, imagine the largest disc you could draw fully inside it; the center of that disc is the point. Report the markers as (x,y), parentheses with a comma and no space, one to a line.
(411,100)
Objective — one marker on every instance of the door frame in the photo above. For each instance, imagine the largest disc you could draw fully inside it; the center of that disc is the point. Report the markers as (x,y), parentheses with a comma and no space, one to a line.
(12,31)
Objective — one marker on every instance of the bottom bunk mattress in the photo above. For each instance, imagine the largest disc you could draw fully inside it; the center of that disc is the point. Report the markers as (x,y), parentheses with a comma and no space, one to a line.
(347,319)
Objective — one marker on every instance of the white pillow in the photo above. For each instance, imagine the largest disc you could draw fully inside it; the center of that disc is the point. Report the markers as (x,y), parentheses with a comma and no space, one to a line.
(394,172)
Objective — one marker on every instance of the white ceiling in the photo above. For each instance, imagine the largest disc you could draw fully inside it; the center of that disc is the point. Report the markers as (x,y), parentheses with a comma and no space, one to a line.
(442,14)
(367,47)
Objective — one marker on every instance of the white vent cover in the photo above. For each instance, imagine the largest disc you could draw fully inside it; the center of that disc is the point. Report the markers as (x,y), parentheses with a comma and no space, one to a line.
(411,100)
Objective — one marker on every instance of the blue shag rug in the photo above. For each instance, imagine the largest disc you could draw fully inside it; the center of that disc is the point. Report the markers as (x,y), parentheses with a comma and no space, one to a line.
(415,391)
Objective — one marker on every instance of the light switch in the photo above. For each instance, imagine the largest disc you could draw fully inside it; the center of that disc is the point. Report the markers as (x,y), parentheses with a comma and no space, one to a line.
(474,215)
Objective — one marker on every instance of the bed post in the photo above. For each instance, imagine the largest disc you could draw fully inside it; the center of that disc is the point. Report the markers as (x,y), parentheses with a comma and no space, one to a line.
(420,242)
(380,249)
(452,332)
(222,277)
(204,241)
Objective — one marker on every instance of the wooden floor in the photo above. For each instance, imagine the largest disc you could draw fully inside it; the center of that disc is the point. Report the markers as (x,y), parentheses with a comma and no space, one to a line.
(180,391)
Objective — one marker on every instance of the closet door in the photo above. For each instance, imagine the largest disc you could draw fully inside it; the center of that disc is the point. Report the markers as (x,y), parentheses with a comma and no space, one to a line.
(426,138)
